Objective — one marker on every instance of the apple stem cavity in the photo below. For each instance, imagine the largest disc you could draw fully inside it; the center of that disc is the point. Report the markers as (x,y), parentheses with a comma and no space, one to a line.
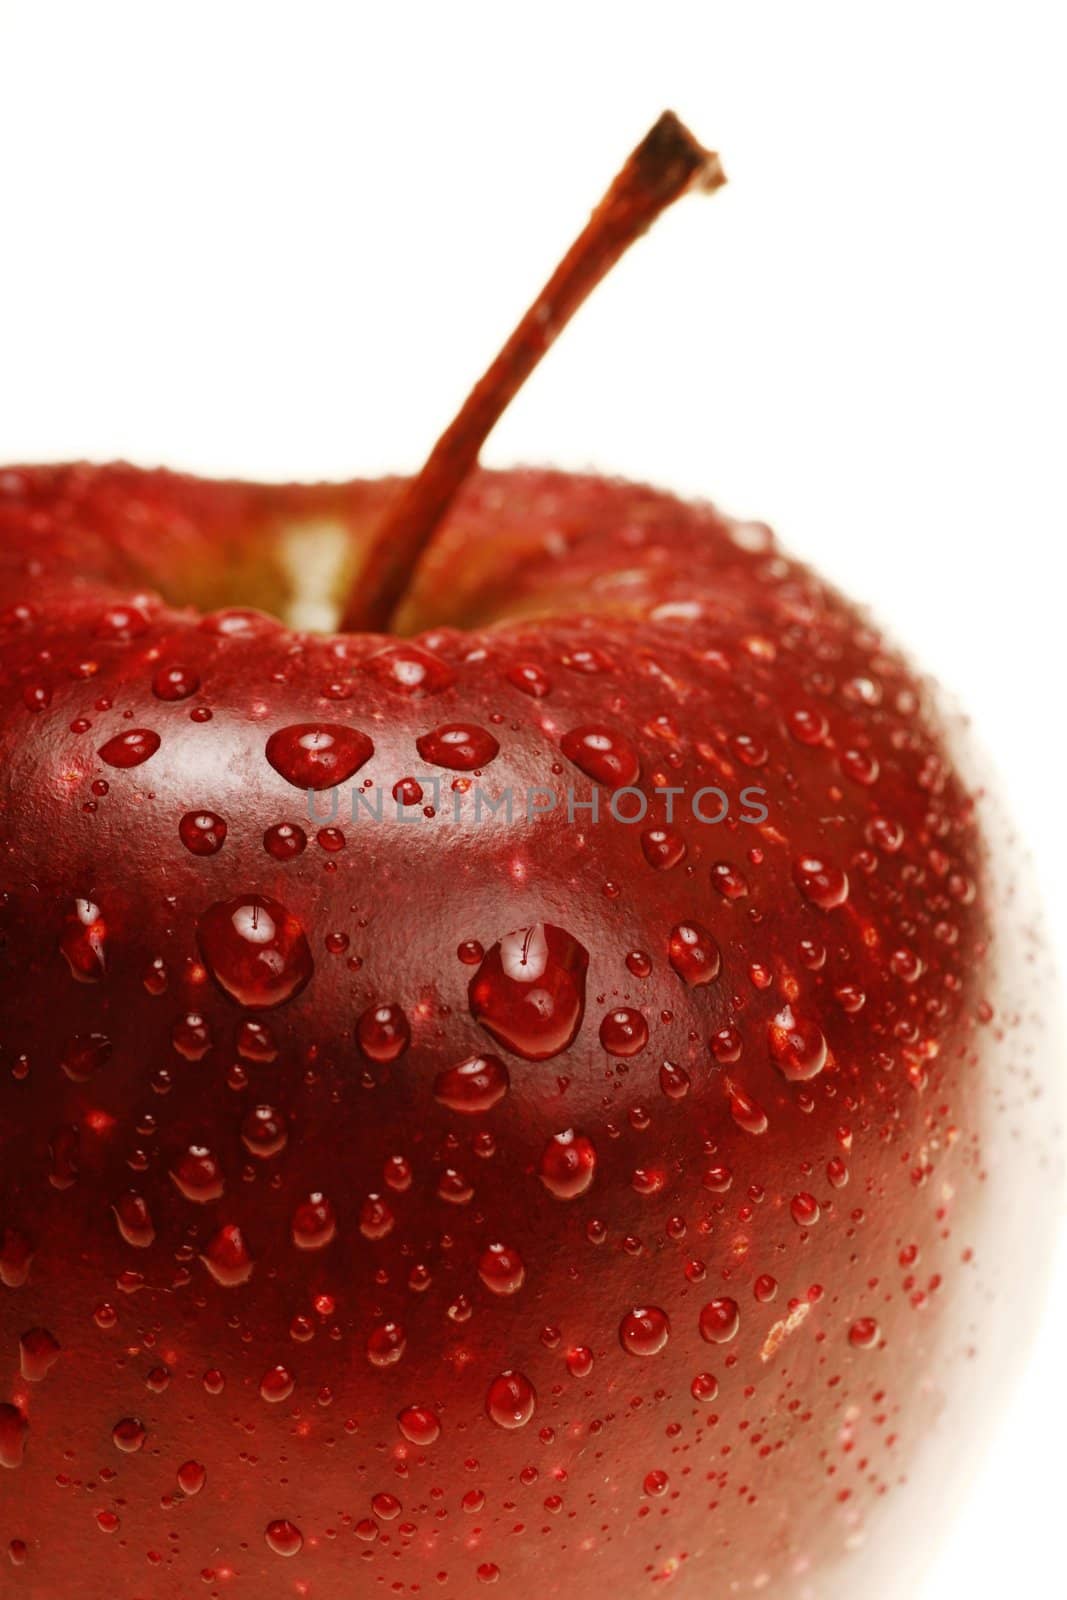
(665,165)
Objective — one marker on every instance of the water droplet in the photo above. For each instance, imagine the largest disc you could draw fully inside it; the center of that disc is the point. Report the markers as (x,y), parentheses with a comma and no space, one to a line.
(13,1431)
(203,833)
(383,1032)
(191,1036)
(197,1174)
(861,766)
(16,1255)
(797,1046)
(314,1223)
(720,1320)
(38,1354)
(728,881)
(264,1132)
(511,1400)
(459,746)
(419,1425)
(276,1385)
(804,1209)
(130,749)
(568,1165)
(704,1388)
(129,1435)
(228,1258)
(819,881)
(530,679)
(84,1054)
(386,1344)
(284,1538)
(175,683)
(746,1112)
(134,1220)
(192,1477)
(656,1483)
(318,755)
(663,847)
(473,1086)
(644,1331)
(624,1032)
(693,953)
(580,1361)
(529,992)
(864,1333)
(674,1081)
(501,1269)
(807,725)
(255,1042)
(84,942)
(410,670)
(285,840)
(603,755)
(255,950)
(375,1218)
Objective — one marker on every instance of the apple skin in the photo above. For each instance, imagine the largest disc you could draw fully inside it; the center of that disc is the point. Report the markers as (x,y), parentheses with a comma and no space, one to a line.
(835,1211)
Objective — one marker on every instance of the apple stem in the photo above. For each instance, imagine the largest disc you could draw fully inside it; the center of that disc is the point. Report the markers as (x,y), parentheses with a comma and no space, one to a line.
(666,164)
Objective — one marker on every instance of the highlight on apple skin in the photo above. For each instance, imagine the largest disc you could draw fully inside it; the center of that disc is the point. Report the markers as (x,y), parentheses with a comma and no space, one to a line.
(406,1188)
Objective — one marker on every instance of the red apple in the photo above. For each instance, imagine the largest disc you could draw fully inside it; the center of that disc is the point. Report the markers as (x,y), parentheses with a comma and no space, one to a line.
(439,1197)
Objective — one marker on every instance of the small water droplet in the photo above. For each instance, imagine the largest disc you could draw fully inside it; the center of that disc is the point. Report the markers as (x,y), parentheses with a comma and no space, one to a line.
(276,1385)
(663,848)
(821,882)
(693,954)
(314,1223)
(227,1257)
(410,670)
(129,1435)
(84,942)
(203,833)
(864,1333)
(285,840)
(197,1174)
(472,1086)
(264,1131)
(383,1032)
(419,1425)
(604,755)
(797,1046)
(568,1165)
(38,1354)
(624,1032)
(192,1477)
(175,683)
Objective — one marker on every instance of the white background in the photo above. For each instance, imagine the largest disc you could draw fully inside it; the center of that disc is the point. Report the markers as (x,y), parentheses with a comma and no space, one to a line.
(282,239)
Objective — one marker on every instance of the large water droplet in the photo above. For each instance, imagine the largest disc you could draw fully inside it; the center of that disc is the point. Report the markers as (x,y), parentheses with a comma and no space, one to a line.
(13,1430)
(318,755)
(255,949)
(529,992)
(314,1222)
(197,1174)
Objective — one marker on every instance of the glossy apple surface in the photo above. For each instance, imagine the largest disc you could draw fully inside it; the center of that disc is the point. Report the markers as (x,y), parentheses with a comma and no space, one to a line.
(410,1198)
